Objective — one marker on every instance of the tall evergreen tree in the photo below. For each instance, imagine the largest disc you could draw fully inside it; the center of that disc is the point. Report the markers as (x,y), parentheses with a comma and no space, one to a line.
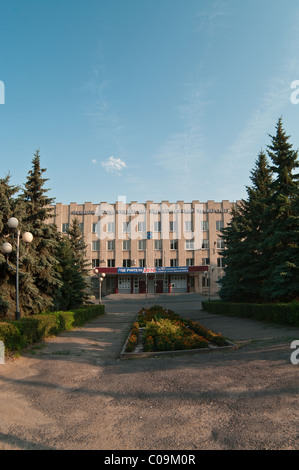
(281,241)
(11,206)
(77,241)
(244,256)
(72,291)
(78,246)
(40,260)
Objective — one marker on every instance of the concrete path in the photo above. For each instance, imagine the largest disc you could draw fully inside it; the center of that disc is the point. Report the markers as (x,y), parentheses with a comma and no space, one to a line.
(73,393)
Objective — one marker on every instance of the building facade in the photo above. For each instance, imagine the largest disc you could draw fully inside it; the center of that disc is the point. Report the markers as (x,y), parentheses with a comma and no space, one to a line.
(150,247)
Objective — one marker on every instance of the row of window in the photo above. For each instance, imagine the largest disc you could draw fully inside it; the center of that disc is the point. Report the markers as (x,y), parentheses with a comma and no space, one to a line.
(158,263)
(126,246)
(110,226)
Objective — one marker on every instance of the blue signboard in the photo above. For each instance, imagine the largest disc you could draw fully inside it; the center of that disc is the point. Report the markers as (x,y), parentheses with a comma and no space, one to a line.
(130,270)
(173,270)
(176,269)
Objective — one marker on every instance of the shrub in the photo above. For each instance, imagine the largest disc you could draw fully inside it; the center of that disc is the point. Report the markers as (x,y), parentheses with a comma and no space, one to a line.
(276,312)
(29,330)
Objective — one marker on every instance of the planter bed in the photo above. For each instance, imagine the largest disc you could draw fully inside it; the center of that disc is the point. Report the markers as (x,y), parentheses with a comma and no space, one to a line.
(157,331)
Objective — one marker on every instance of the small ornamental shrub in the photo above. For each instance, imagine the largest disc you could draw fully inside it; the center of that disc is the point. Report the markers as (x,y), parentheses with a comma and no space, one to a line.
(164,330)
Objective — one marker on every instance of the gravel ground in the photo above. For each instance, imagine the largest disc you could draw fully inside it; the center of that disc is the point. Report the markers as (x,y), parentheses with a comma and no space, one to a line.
(73,393)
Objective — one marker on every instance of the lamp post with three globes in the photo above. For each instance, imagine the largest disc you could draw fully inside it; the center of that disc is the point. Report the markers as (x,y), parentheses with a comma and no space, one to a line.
(7,248)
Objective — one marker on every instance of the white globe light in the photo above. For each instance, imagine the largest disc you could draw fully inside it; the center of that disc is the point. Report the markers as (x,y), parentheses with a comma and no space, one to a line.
(6,248)
(12,222)
(103,275)
(27,237)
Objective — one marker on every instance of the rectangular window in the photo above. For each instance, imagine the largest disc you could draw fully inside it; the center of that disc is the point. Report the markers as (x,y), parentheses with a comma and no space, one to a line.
(95,245)
(205,281)
(189,245)
(189,262)
(205,244)
(173,244)
(189,226)
(141,226)
(124,282)
(95,263)
(173,262)
(173,226)
(178,282)
(126,263)
(111,263)
(205,261)
(126,245)
(141,263)
(158,244)
(158,263)
(220,262)
(110,227)
(220,244)
(205,225)
(111,245)
(157,226)
(125,227)
(141,244)
(65,228)
(219,224)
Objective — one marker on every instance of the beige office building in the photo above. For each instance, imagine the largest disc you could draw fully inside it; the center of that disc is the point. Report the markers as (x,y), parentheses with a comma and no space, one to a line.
(151,247)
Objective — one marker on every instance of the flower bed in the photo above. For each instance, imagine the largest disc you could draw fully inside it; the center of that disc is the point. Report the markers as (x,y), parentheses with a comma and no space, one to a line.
(164,330)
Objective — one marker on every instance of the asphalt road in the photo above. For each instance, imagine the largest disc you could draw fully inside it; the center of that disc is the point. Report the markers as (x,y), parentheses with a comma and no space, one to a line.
(73,393)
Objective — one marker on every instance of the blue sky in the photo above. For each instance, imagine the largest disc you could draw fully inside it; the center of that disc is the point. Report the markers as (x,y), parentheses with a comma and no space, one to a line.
(148,99)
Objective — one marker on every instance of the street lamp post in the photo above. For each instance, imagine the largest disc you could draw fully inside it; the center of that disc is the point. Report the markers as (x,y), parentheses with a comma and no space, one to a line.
(101,278)
(6,248)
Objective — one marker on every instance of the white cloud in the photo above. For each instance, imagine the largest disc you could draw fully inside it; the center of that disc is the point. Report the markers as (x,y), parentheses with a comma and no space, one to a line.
(113,165)
(94,161)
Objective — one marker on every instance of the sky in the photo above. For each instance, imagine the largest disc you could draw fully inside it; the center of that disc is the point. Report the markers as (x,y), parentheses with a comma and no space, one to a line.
(152,100)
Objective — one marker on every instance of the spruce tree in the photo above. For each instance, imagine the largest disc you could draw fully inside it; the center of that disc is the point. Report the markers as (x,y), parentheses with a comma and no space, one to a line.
(7,272)
(11,206)
(72,291)
(78,246)
(232,287)
(282,222)
(40,260)
(244,255)
(77,241)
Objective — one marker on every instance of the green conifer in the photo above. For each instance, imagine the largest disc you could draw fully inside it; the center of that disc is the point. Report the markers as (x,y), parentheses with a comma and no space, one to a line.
(40,260)
(282,222)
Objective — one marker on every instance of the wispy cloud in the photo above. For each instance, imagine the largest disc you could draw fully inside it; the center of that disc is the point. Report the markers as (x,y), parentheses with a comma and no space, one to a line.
(105,119)
(181,156)
(208,19)
(113,165)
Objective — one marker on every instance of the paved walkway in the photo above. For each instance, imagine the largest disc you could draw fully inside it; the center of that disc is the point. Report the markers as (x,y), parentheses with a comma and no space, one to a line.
(73,393)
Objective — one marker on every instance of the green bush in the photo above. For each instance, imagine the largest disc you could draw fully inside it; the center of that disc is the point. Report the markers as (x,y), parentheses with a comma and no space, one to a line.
(18,334)
(278,313)
(167,331)
(11,336)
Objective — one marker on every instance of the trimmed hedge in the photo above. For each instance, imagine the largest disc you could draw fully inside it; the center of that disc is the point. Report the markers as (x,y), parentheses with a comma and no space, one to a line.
(277,313)
(18,334)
